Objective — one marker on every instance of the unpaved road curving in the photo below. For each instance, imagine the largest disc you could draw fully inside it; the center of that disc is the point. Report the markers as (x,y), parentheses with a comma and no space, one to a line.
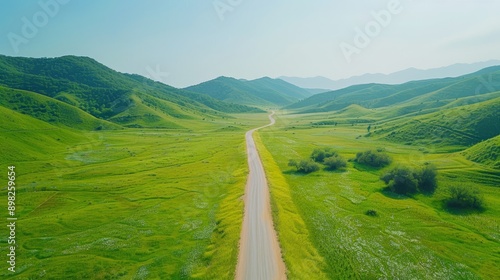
(260,256)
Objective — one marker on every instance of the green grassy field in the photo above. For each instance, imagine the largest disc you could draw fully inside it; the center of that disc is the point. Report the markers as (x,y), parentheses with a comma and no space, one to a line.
(131,204)
(150,203)
(410,238)
(120,177)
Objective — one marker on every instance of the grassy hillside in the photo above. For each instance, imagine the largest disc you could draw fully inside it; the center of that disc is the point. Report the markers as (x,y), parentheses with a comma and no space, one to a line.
(409,237)
(27,138)
(370,95)
(462,126)
(124,203)
(314,91)
(50,110)
(279,87)
(102,92)
(354,111)
(260,92)
(193,100)
(486,152)
(410,97)
(99,200)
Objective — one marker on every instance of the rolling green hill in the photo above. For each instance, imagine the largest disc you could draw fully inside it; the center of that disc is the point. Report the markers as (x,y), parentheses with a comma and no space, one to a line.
(30,139)
(260,92)
(99,201)
(279,87)
(354,111)
(463,126)
(50,110)
(486,152)
(85,84)
(410,97)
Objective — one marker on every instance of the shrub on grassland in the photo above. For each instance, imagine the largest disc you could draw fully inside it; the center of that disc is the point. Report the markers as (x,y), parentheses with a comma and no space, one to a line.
(401,180)
(304,166)
(464,197)
(373,158)
(407,180)
(319,155)
(335,162)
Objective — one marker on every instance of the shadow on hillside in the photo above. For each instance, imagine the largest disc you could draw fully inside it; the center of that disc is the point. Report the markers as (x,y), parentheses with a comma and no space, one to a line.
(298,173)
(390,194)
(295,172)
(460,211)
(365,168)
(429,193)
(337,171)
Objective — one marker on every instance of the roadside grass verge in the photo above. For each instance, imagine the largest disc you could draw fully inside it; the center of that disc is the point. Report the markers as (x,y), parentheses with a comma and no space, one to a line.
(301,257)
(409,237)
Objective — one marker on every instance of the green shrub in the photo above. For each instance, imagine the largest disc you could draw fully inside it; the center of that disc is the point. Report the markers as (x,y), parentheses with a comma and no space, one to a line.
(406,180)
(304,166)
(427,181)
(319,155)
(401,180)
(371,213)
(373,158)
(334,162)
(293,163)
(465,198)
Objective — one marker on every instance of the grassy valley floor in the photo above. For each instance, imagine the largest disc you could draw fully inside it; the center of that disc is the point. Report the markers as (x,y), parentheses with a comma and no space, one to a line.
(132,204)
(321,216)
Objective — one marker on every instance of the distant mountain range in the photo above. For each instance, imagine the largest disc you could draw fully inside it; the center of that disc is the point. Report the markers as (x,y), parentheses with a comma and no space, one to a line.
(410,97)
(81,93)
(399,77)
(260,92)
(458,112)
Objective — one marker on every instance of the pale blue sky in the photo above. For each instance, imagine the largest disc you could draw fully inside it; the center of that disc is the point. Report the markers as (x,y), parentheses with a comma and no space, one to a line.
(193,42)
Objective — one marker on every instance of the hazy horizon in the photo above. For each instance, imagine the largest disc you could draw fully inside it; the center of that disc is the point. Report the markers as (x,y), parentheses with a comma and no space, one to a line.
(183,44)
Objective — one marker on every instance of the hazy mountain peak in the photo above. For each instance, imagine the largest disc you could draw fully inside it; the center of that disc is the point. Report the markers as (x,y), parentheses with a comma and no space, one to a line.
(263,91)
(399,77)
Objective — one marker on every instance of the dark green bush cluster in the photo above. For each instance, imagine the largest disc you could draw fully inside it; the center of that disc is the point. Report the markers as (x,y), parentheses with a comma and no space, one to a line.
(328,157)
(373,158)
(406,180)
(304,166)
(371,212)
(331,159)
(465,198)
(319,155)
(334,162)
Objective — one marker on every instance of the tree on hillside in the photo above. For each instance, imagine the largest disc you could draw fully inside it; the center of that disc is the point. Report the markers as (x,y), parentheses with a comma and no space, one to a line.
(406,180)
(319,155)
(373,158)
(334,162)
(427,181)
(465,198)
(401,179)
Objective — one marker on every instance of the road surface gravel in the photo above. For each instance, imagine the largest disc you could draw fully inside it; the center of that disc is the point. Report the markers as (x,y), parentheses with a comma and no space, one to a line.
(260,255)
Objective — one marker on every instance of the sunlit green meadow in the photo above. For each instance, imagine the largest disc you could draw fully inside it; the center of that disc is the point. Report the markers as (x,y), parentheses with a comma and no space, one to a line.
(410,238)
(167,203)
(131,204)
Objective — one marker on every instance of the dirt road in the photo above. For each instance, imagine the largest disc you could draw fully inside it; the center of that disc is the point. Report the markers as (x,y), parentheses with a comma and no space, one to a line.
(260,255)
